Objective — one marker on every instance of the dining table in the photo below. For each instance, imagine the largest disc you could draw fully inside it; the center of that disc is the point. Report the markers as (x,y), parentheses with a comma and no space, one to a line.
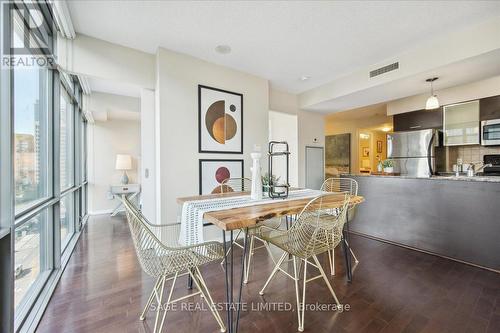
(250,215)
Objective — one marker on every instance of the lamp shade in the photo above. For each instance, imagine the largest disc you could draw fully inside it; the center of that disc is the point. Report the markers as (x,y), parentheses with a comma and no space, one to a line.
(123,162)
(432,103)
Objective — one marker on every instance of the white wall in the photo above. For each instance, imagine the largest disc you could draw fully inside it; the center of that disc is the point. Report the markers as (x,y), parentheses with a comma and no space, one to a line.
(311,133)
(148,151)
(462,93)
(105,141)
(310,126)
(283,127)
(106,106)
(177,109)
(97,58)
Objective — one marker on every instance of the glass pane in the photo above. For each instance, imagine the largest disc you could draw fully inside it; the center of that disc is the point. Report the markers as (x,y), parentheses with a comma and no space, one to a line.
(31,135)
(30,238)
(67,219)
(461,124)
(491,132)
(85,200)
(66,144)
(83,148)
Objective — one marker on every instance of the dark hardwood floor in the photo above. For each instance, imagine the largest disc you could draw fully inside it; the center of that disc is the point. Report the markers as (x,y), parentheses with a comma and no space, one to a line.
(394,290)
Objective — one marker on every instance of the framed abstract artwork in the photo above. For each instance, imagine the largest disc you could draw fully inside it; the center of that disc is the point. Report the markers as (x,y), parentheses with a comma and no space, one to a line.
(220,121)
(214,171)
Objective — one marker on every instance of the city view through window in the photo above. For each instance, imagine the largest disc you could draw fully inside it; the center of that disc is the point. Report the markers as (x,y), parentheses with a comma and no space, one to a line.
(30,171)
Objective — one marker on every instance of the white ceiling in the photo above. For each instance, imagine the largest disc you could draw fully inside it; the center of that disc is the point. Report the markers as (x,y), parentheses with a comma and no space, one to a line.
(279,40)
(458,73)
(113,87)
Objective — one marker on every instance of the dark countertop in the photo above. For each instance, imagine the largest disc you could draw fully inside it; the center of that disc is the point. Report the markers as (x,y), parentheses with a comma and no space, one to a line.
(490,179)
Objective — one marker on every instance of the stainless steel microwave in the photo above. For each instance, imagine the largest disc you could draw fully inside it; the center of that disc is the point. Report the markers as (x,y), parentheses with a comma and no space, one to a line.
(490,132)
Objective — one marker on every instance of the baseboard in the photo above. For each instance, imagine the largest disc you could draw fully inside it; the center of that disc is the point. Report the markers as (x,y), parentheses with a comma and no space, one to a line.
(101,212)
(423,251)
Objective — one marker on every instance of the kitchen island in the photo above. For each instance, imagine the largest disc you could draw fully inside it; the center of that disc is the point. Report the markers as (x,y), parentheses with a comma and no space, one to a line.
(454,217)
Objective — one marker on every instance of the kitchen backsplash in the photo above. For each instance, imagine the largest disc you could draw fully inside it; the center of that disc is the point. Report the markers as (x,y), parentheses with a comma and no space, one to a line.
(468,154)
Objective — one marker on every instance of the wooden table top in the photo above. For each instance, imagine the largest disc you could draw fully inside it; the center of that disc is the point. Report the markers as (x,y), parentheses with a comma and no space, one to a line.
(243,217)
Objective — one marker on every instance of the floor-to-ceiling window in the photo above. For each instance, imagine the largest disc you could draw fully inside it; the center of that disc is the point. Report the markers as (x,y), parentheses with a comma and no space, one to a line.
(33,159)
(66,163)
(47,165)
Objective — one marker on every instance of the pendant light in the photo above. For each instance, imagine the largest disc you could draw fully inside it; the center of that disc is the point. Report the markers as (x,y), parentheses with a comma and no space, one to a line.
(432,102)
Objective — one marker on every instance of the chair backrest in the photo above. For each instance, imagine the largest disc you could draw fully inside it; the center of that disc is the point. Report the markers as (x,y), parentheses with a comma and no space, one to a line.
(316,230)
(340,185)
(148,247)
(235,185)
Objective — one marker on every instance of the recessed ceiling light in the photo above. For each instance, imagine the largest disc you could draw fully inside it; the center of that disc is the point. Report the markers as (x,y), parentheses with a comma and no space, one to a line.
(304,78)
(223,49)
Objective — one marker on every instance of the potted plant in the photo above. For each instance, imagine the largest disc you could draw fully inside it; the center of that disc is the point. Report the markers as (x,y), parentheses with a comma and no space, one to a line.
(388,166)
(265,181)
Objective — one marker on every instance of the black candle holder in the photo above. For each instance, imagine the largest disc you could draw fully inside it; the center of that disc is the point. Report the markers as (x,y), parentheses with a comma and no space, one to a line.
(274,186)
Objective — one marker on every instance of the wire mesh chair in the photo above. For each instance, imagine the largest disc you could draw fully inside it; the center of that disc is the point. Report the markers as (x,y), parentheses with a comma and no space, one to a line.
(315,231)
(242,185)
(341,185)
(166,262)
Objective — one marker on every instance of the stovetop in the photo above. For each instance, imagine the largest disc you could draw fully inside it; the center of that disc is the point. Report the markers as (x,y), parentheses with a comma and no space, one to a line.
(488,174)
(493,159)
(494,170)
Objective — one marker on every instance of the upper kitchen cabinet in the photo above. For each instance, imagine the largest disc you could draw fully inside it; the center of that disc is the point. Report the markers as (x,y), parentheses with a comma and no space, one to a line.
(489,108)
(418,120)
(461,124)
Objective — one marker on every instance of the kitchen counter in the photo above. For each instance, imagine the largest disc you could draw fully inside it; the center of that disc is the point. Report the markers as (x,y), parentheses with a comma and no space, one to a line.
(491,179)
(454,217)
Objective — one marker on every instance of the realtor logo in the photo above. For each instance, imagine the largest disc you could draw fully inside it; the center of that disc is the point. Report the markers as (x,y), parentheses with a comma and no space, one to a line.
(29,39)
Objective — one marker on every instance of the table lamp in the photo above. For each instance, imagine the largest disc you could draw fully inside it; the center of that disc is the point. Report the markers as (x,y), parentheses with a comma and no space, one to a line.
(124,162)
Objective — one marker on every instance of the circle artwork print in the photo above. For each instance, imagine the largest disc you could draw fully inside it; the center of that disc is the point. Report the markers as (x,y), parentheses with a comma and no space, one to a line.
(220,125)
(222,174)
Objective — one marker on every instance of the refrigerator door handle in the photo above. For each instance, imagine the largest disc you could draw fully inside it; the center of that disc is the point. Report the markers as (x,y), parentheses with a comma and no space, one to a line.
(429,151)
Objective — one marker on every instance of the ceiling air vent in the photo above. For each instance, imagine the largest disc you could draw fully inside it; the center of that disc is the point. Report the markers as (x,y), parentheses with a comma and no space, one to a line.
(384,69)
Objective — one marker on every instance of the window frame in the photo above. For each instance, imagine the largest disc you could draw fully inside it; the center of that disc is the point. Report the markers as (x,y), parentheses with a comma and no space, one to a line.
(26,316)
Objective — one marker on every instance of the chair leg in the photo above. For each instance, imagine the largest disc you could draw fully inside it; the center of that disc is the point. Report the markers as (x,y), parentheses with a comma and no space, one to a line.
(150,300)
(352,252)
(268,248)
(275,270)
(229,250)
(316,261)
(303,304)
(168,301)
(297,292)
(160,305)
(249,261)
(202,287)
(331,259)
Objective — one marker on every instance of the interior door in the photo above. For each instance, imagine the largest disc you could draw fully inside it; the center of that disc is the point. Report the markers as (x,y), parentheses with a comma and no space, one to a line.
(315,167)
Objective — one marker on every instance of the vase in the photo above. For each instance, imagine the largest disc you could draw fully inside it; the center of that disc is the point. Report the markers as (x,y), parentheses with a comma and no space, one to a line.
(256,193)
(389,169)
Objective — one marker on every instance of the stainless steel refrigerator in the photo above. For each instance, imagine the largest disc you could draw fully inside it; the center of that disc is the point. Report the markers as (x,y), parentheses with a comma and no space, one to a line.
(413,152)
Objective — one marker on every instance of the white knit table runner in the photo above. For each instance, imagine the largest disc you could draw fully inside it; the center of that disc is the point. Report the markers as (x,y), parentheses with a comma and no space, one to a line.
(193,211)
